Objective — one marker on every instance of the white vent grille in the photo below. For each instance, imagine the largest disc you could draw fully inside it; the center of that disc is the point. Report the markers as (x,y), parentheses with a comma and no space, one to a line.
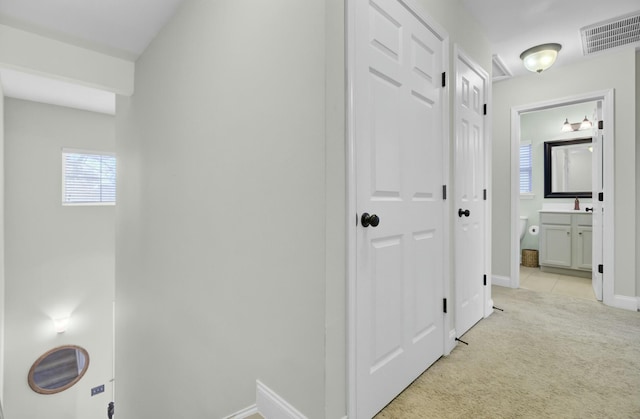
(612,33)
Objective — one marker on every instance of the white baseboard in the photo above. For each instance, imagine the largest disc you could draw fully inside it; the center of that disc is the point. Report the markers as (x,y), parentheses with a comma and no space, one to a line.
(503,281)
(272,406)
(244,413)
(624,302)
(451,342)
(489,308)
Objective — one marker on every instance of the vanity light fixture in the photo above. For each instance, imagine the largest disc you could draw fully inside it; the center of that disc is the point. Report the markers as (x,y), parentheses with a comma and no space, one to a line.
(60,324)
(540,57)
(586,124)
(575,126)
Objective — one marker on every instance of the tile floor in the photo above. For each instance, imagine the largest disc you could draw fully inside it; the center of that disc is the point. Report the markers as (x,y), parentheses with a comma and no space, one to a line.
(536,280)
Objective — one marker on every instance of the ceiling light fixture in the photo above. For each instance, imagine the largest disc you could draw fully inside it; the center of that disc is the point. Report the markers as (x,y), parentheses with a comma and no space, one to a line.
(540,57)
(60,324)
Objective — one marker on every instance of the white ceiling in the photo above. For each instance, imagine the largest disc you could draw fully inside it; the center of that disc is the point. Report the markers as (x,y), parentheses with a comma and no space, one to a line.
(119,26)
(513,26)
(123,28)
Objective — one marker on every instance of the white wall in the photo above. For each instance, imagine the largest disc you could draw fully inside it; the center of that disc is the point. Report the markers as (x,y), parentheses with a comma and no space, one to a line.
(2,265)
(221,222)
(536,128)
(335,202)
(637,172)
(614,70)
(58,259)
(462,29)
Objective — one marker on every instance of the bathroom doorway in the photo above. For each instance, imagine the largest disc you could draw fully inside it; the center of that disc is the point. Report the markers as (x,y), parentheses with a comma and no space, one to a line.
(597,106)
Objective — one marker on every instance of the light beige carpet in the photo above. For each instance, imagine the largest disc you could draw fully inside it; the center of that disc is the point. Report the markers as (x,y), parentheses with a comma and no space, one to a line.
(545,356)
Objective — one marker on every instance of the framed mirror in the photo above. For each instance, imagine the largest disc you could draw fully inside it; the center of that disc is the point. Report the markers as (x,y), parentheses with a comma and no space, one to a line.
(567,168)
(58,369)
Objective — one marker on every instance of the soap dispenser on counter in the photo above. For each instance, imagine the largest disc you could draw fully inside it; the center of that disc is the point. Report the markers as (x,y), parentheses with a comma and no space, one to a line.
(576,205)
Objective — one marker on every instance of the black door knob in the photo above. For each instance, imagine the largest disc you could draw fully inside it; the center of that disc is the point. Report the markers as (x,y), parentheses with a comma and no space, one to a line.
(589,209)
(369,220)
(466,213)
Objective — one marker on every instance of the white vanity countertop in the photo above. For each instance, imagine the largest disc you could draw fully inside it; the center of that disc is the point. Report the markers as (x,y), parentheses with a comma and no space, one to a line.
(564,211)
(566,207)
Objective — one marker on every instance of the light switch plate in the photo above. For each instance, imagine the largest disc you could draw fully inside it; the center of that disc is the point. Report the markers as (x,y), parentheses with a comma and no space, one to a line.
(97,390)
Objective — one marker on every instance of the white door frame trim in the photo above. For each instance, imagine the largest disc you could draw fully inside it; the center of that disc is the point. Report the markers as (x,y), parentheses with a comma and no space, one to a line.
(351,221)
(607,98)
(459,53)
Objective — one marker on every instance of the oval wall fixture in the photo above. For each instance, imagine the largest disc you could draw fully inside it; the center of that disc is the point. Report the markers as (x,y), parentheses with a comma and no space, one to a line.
(540,57)
(58,369)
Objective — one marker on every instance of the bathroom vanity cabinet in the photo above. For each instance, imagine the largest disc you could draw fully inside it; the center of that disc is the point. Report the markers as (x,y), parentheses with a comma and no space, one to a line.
(566,242)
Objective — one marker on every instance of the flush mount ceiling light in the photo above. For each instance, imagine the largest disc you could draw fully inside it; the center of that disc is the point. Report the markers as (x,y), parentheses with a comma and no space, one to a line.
(540,57)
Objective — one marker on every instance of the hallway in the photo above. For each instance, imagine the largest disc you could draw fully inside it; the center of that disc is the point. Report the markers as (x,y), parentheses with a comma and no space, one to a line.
(536,280)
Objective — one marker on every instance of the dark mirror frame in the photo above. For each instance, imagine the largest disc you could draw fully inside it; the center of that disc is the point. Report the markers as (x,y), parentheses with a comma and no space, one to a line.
(31,378)
(548,148)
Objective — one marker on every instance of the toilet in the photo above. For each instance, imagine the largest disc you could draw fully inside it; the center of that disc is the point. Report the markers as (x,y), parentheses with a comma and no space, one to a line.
(523,225)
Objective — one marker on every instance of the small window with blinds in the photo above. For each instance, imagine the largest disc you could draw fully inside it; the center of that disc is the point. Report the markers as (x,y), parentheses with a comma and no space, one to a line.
(525,169)
(88,177)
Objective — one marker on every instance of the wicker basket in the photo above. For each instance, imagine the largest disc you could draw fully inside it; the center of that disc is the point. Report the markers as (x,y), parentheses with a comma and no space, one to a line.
(530,258)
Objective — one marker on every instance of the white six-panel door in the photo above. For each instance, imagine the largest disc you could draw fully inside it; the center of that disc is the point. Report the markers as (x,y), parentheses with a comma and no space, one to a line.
(399,159)
(468,195)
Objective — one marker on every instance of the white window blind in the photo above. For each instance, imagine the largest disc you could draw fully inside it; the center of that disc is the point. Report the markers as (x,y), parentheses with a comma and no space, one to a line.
(89,177)
(525,168)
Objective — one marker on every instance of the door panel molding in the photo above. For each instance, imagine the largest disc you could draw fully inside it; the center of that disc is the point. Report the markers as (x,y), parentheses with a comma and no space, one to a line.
(470,101)
(423,193)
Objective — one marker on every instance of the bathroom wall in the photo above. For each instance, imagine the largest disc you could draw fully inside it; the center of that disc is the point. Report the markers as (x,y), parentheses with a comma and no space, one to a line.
(536,128)
(59,259)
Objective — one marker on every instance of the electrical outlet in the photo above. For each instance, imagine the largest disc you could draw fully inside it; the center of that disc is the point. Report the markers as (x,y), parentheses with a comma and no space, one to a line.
(97,390)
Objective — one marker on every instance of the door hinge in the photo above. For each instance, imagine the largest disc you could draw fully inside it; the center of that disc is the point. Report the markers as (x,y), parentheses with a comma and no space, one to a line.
(444,192)
(444,305)
(484,109)
(484,194)
(601,269)
(484,282)
(600,124)
(601,196)
(444,79)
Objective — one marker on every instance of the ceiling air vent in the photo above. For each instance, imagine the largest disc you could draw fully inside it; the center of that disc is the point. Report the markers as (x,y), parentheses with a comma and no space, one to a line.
(623,30)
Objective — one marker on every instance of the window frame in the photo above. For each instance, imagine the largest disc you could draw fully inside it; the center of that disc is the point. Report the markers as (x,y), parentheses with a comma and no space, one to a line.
(526,194)
(65,151)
